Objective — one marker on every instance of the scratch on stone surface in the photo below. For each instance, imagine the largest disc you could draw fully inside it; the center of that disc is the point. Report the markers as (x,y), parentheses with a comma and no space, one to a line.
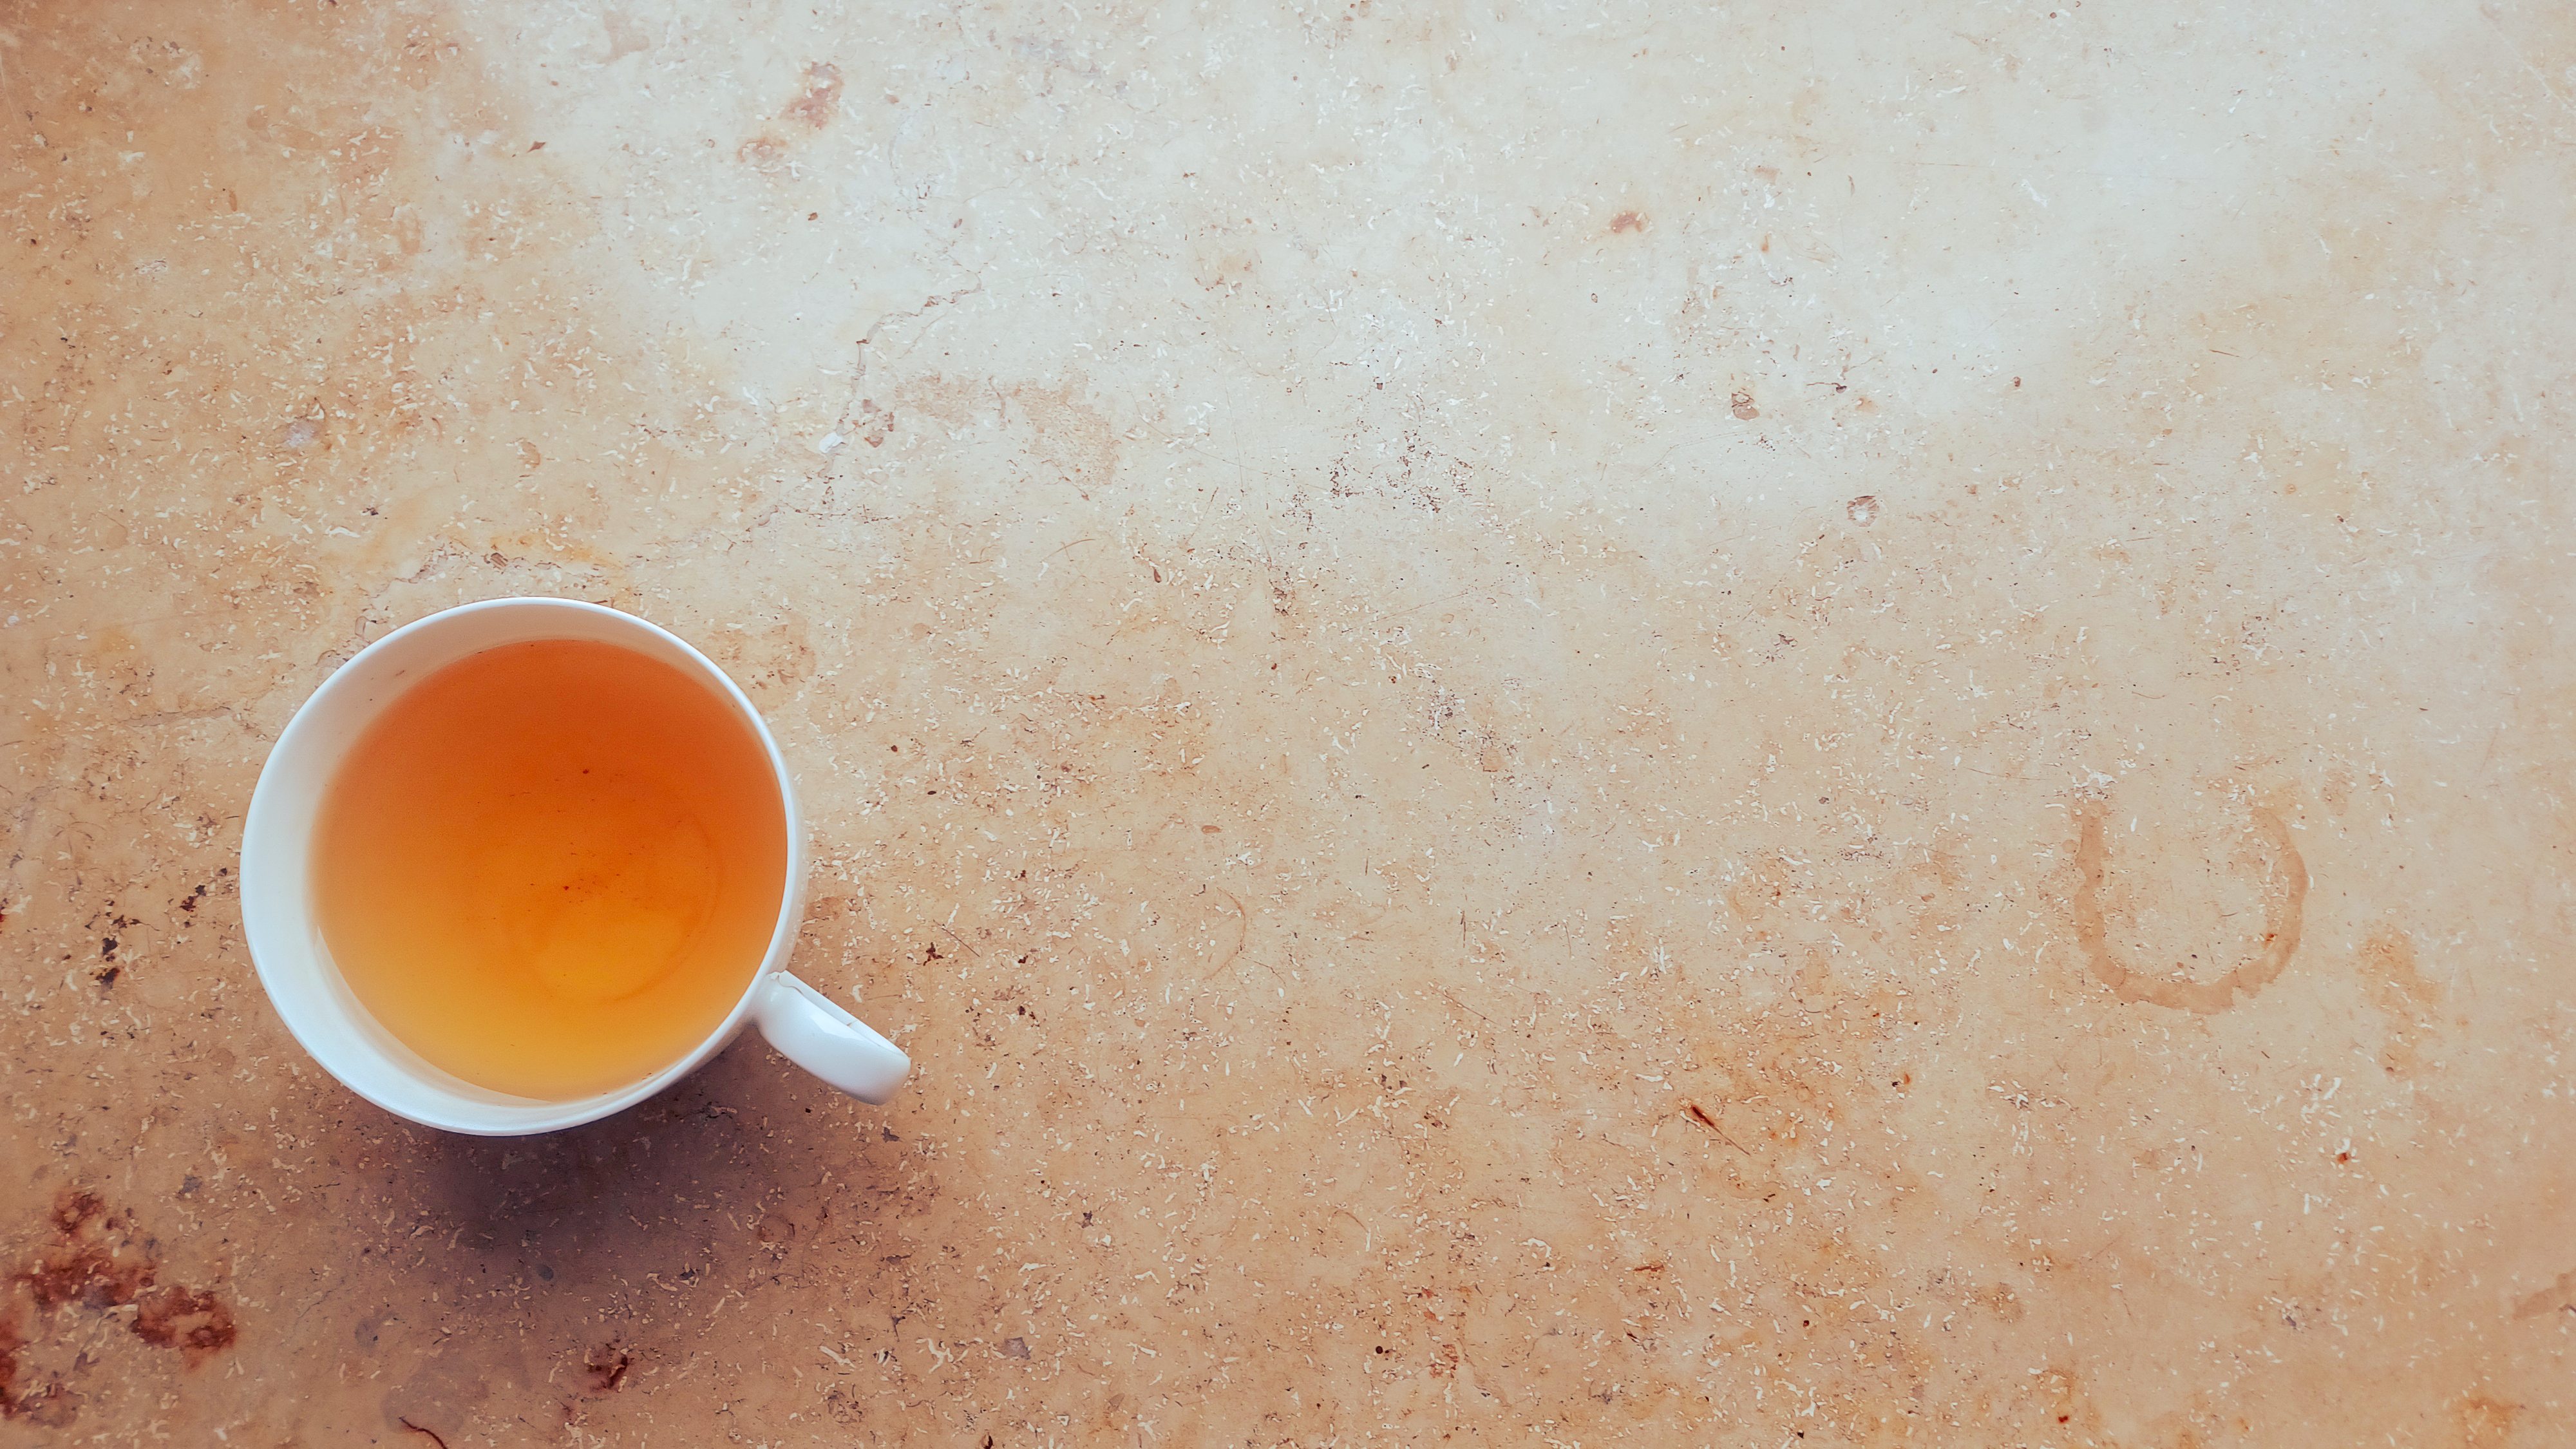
(1700,1115)
(182,716)
(1242,928)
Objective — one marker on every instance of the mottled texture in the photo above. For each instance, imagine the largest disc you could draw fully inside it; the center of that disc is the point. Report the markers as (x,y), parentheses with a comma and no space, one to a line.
(1402,629)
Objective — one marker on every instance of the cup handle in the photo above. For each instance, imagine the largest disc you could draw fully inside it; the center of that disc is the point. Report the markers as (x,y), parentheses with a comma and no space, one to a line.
(809,1029)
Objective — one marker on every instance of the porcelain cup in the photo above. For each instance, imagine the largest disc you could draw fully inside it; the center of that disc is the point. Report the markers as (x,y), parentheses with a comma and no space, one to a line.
(326,1017)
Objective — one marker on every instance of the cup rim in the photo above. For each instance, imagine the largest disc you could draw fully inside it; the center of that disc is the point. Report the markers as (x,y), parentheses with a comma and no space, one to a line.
(322,1028)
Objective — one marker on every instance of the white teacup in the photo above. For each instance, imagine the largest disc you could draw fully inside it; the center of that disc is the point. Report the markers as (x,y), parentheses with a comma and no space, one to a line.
(325,1015)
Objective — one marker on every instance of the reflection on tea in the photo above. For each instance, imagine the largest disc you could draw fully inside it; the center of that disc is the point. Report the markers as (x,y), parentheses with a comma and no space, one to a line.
(552,868)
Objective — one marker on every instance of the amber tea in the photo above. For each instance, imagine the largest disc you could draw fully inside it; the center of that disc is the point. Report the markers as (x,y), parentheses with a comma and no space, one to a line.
(551,868)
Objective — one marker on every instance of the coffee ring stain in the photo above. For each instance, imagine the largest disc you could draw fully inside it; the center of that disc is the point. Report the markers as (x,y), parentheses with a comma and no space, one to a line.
(2284,910)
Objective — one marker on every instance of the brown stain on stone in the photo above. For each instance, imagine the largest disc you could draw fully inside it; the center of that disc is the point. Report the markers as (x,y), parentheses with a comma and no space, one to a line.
(1071,432)
(50,1404)
(99,1261)
(2285,906)
(2063,1410)
(1057,423)
(813,109)
(822,98)
(2391,976)
(626,35)
(607,1366)
(2481,1421)
(82,1266)
(2558,1297)
(196,1323)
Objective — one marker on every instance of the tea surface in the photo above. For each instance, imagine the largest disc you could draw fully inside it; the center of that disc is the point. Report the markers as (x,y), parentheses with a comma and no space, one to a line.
(551,868)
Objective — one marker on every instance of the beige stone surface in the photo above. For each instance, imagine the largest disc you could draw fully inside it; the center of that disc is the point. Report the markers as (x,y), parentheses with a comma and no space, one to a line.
(1829,724)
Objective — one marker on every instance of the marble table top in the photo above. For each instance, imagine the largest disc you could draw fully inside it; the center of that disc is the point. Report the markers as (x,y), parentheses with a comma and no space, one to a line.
(1750,725)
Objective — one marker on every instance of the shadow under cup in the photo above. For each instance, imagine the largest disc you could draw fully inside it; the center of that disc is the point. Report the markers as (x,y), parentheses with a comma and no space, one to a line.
(283,924)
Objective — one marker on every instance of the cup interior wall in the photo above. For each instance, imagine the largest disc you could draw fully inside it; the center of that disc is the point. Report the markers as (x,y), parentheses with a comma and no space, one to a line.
(286,942)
